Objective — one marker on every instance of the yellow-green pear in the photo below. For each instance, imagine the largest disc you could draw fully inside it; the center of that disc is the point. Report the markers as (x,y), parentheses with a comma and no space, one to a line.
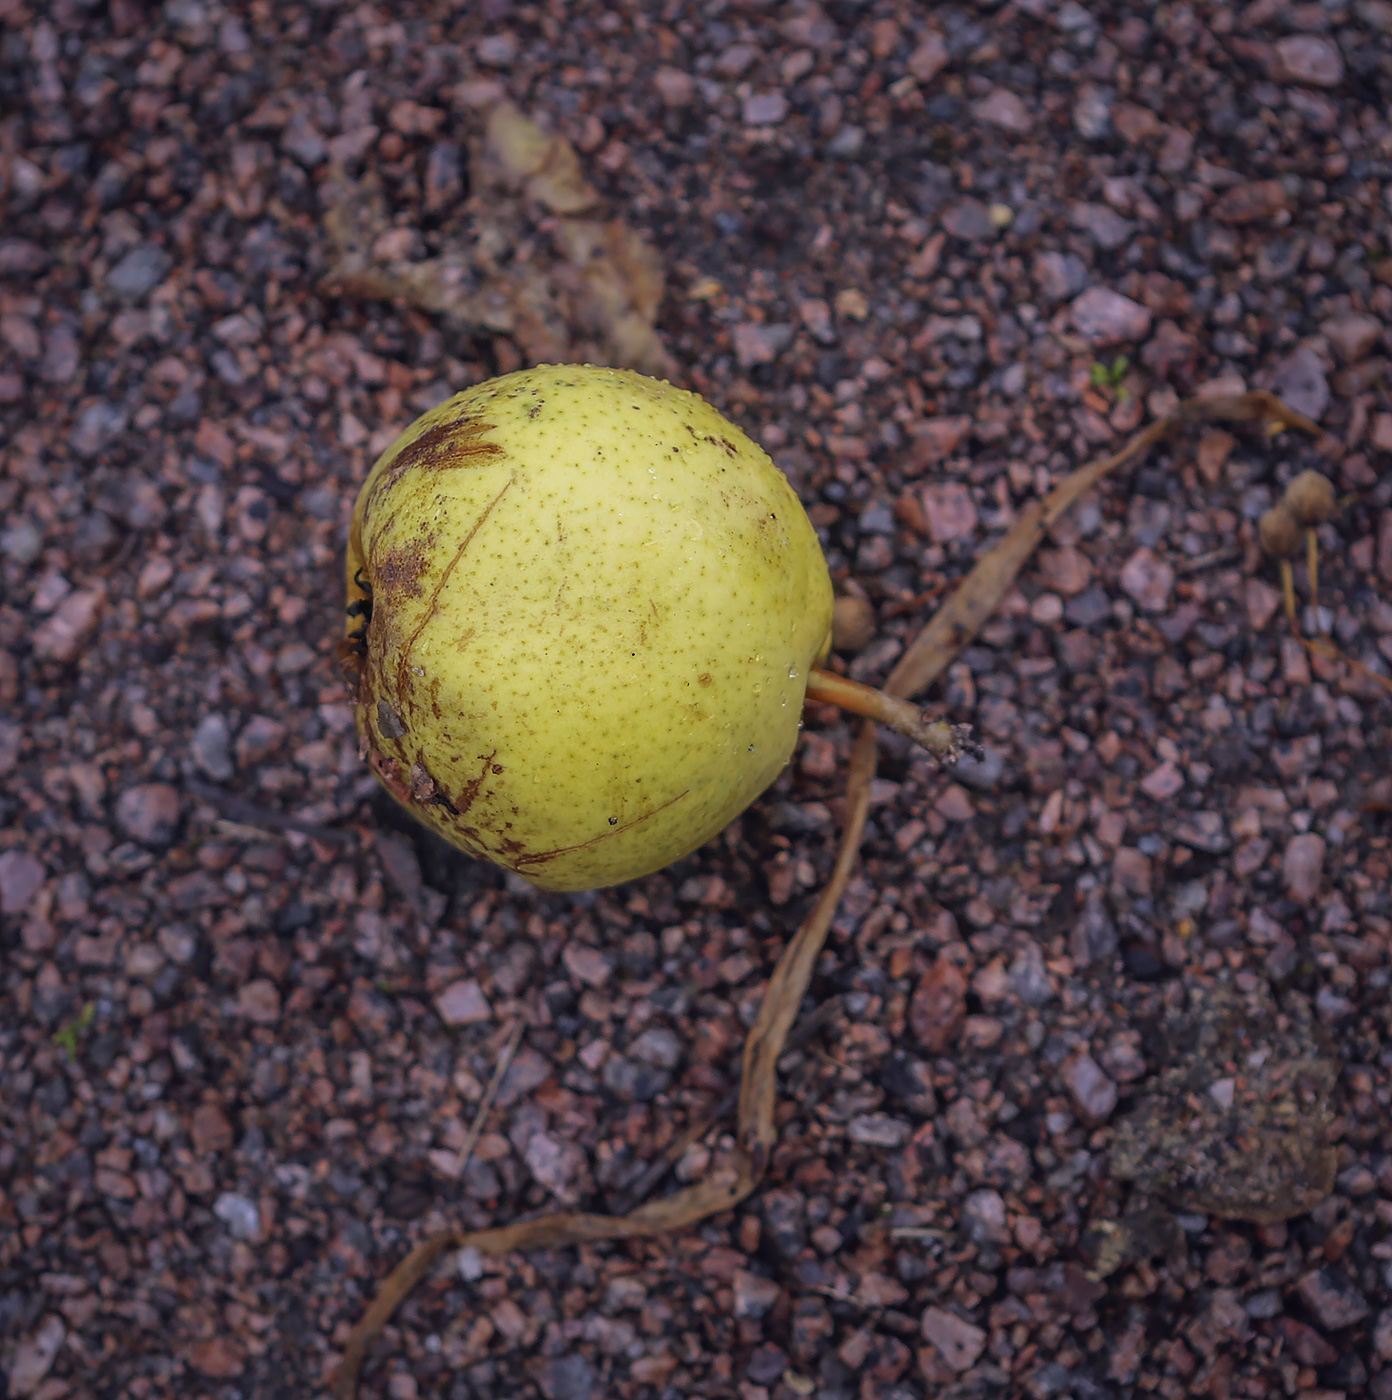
(582,609)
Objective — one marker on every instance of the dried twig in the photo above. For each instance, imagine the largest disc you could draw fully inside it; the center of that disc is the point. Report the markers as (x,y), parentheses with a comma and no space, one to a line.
(414,1267)
(1322,646)
(1225,554)
(850,1299)
(725,1187)
(491,1092)
(652,1178)
(937,646)
(959,619)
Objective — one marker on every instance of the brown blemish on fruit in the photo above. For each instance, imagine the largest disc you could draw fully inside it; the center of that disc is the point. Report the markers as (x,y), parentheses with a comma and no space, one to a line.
(397,572)
(541,857)
(703,678)
(465,837)
(470,793)
(388,771)
(403,690)
(446,445)
(431,689)
(427,791)
(423,787)
(721,442)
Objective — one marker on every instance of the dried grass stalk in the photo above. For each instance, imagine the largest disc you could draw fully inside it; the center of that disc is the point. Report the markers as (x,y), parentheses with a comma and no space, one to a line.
(736,1177)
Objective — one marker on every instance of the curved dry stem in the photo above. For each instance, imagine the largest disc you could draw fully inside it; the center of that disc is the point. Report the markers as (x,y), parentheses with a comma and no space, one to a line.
(1288,595)
(940,642)
(1323,646)
(960,618)
(725,1187)
(1312,568)
(794,970)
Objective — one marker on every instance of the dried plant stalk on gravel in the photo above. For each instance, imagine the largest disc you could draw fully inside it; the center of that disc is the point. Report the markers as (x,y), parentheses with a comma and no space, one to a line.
(952,628)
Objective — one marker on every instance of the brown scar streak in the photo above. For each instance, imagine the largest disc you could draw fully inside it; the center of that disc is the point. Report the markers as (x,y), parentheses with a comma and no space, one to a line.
(540,857)
(471,788)
(444,578)
(448,445)
(453,444)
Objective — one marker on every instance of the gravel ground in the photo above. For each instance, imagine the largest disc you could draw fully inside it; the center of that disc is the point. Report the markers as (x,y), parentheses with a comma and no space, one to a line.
(1113,998)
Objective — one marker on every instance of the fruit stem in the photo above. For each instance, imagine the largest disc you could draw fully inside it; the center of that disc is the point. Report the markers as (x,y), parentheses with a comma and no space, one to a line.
(1288,593)
(1312,568)
(937,736)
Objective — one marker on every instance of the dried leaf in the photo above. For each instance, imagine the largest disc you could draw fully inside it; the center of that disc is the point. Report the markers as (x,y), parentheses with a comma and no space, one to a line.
(541,261)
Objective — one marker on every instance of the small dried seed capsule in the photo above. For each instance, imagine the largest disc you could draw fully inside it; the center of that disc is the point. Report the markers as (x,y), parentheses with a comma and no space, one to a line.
(1310,499)
(1279,532)
(852,623)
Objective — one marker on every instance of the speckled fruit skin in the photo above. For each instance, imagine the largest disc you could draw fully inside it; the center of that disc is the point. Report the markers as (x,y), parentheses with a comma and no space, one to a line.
(591,606)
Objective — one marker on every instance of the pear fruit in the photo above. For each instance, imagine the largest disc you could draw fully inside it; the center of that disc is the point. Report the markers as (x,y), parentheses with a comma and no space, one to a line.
(582,610)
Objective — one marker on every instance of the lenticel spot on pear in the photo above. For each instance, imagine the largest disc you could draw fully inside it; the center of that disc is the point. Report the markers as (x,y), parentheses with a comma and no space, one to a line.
(582,611)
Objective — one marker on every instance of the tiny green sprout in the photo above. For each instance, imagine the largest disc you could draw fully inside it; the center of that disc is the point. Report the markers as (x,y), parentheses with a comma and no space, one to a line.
(66,1037)
(1110,376)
